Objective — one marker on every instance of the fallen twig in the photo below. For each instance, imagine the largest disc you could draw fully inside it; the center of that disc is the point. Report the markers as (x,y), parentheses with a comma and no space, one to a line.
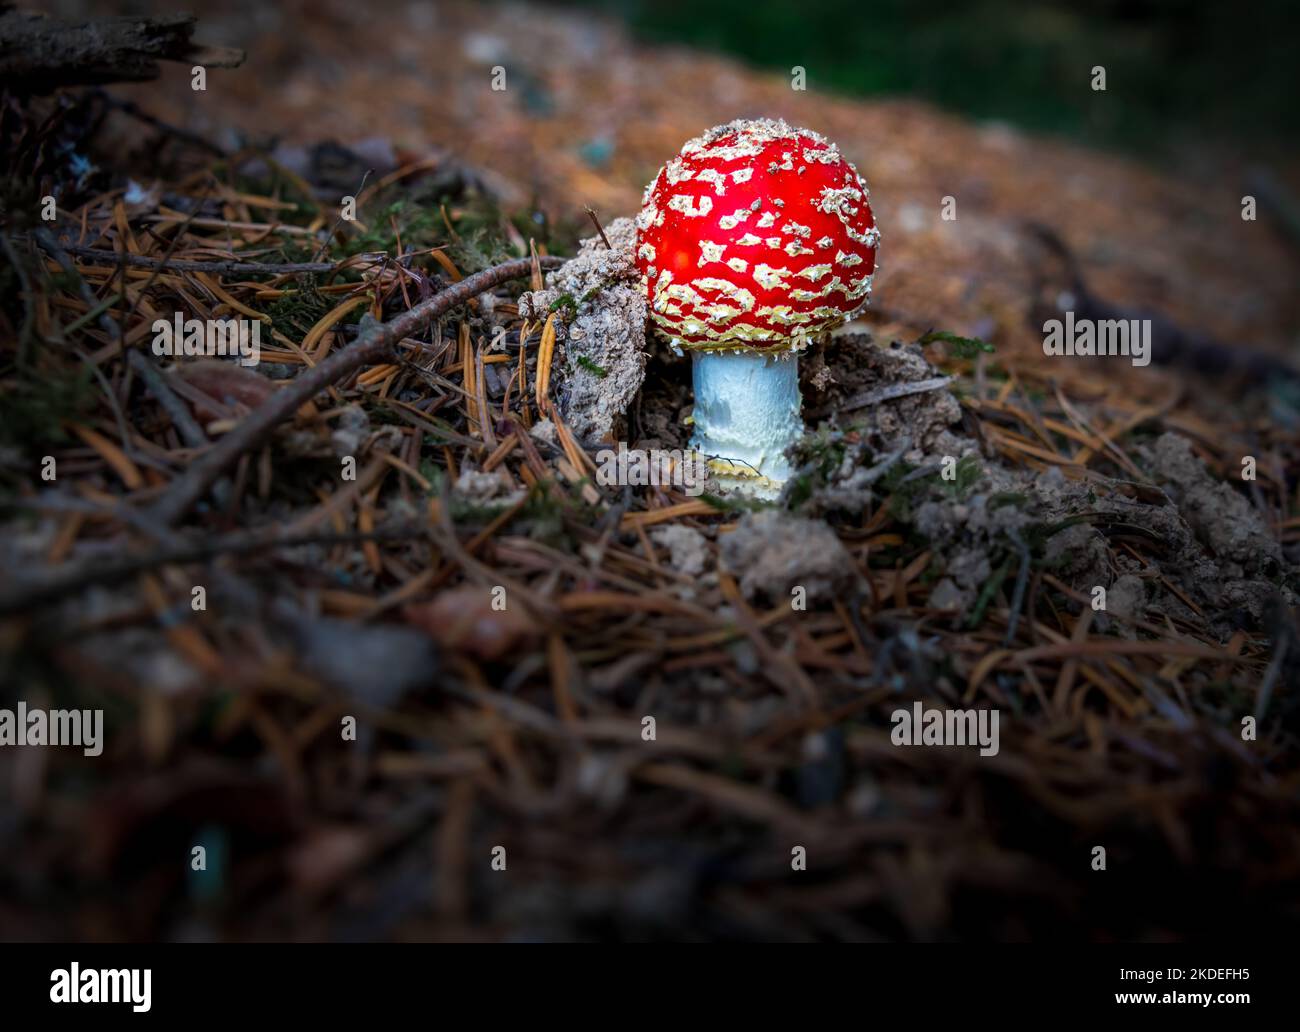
(895,390)
(24,593)
(222,267)
(595,221)
(376,342)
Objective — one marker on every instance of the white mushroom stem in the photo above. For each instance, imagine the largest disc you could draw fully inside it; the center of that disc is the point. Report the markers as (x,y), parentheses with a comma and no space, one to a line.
(746,415)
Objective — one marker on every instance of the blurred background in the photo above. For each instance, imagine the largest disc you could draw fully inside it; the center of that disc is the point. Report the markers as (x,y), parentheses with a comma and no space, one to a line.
(1188,72)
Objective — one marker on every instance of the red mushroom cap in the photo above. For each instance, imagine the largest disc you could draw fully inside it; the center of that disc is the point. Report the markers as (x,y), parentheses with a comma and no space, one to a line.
(757,235)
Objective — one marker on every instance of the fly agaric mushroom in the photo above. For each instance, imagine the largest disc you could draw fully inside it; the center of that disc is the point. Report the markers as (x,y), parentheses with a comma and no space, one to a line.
(754,240)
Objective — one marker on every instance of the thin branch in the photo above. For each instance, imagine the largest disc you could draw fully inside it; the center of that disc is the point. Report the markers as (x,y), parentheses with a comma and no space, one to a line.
(376,343)
(595,221)
(895,390)
(227,268)
(22,594)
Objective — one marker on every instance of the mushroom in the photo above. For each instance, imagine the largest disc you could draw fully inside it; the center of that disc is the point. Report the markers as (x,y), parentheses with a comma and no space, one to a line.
(753,241)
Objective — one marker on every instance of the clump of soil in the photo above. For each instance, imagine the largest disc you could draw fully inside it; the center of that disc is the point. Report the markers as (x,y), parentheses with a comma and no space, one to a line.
(1206,555)
(601,325)
(868,408)
(1222,520)
(688,549)
(1076,531)
(476,487)
(849,368)
(773,552)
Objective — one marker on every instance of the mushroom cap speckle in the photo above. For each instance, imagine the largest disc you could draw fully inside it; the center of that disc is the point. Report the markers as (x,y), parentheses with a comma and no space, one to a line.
(757,235)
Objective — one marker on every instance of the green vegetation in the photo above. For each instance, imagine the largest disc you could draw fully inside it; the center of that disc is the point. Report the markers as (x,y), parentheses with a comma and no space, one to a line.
(962,347)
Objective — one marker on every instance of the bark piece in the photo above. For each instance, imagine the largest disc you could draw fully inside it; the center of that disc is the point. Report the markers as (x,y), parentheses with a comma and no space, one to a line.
(38,54)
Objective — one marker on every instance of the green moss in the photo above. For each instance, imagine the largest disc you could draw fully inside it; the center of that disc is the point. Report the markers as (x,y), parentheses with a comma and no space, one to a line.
(298,310)
(480,249)
(799,490)
(962,347)
(417,226)
(566,302)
